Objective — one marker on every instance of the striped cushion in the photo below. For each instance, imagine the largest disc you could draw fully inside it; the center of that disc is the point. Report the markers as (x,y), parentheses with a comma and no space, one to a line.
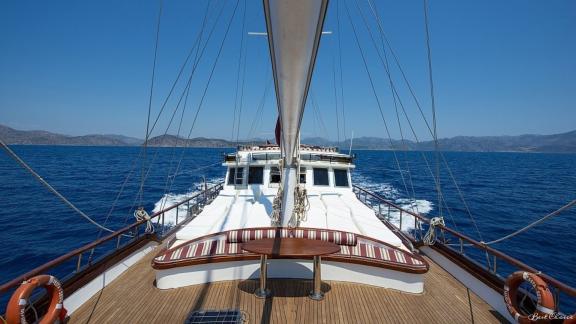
(201,249)
(245,235)
(374,253)
(336,237)
(381,253)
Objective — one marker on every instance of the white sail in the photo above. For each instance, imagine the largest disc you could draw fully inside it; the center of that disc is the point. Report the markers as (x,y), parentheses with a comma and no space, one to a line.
(294,31)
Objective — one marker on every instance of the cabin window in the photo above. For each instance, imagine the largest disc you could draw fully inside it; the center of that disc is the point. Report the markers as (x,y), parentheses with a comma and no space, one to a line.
(321,177)
(340,178)
(302,175)
(236,176)
(275,175)
(256,175)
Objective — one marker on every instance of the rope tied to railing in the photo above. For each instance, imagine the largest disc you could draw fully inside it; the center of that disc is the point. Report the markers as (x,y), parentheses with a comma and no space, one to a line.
(141,215)
(430,237)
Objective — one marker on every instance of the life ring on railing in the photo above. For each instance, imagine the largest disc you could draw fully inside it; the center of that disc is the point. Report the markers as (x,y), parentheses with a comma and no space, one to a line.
(16,309)
(545,304)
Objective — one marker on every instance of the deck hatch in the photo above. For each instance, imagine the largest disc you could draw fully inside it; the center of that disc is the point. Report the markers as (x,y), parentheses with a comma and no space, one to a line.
(227,316)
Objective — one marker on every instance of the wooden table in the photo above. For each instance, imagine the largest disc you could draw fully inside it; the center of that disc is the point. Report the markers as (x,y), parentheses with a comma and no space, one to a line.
(290,247)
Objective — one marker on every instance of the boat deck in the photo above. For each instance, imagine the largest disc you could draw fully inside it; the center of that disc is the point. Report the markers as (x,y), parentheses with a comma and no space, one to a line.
(133,298)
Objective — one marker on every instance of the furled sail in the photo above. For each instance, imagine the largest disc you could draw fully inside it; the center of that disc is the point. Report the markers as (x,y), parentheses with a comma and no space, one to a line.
(294,31)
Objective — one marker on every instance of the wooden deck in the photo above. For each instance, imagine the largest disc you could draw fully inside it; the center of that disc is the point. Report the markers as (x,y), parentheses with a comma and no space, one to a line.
(133,298)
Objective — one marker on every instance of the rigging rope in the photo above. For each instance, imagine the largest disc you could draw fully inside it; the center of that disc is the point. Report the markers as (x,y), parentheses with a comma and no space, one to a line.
(200,105)
(241,103)
(403,140)
(335,98)
(374,90)
(527,227)
(16,158)
(141,191)
(384,62)
(318,114)
(196,45)
(238,72)
(188,85)
(258,116)
(411,90)
(433,101)
(341,78)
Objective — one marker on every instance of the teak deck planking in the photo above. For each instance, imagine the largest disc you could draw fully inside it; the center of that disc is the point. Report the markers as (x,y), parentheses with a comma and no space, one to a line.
(133,298)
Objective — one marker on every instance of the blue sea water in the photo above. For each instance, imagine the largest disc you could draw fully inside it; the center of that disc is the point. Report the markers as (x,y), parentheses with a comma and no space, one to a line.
(504,192)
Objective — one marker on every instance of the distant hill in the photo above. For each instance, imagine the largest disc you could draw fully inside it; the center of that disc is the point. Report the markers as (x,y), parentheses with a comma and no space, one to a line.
(13,136)
(171,140)
(557,143)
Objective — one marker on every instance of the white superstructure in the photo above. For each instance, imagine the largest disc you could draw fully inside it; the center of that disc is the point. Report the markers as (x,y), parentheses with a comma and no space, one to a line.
(252,181)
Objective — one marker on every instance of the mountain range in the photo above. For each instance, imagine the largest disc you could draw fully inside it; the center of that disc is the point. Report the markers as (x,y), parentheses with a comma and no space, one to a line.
(559,143)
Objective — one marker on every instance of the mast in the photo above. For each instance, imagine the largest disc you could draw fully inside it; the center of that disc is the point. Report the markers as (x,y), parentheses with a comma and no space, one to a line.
(294,29)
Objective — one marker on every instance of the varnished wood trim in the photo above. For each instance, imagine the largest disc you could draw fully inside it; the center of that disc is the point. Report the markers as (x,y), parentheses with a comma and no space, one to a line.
(479,272)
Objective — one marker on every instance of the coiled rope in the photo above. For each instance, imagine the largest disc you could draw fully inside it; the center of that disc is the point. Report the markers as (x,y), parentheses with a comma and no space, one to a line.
(301,207)
(430,237)
(277,203)
(16,158)
(276,208)
(140,214)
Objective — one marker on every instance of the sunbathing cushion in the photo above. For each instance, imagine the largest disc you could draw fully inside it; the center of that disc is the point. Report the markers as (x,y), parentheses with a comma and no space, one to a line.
(218,249)
(336,237)
(250,234)
(380,253)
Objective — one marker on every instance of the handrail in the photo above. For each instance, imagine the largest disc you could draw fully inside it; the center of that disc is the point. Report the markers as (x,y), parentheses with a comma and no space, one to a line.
(51,264)
(515,262)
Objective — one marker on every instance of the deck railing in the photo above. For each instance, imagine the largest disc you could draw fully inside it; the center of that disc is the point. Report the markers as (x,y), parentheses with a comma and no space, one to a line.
(385,208)
(133,232)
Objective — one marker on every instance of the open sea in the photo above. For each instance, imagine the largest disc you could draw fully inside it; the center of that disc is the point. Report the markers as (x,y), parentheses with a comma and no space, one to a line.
(504,191)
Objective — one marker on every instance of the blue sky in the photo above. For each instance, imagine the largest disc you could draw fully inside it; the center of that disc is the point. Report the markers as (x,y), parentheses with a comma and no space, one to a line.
(84,67)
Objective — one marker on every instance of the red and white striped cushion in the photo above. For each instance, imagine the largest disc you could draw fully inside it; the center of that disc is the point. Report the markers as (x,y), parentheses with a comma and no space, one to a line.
(221,247)
(245,235)
(336,237)
(382,253)
(201,249)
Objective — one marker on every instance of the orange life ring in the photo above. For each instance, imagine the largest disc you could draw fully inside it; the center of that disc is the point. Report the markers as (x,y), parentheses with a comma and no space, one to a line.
(545,300)
(16,309)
